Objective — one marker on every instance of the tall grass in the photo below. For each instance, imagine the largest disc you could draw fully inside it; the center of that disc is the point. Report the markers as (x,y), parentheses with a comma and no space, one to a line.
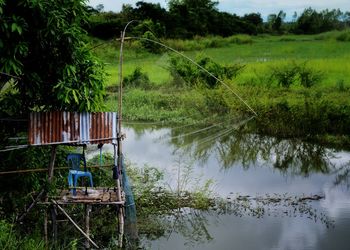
(10,239)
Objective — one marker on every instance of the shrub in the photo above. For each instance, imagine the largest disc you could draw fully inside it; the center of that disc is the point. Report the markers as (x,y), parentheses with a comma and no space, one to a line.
(185,72)
(285,75)
(291,73)
(308,76)
(240,39)
(148,45)
(344,36)
(137,79)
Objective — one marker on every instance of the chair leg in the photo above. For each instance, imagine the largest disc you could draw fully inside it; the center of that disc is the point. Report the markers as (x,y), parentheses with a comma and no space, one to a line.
(70,180)
(75,184)
(91,183)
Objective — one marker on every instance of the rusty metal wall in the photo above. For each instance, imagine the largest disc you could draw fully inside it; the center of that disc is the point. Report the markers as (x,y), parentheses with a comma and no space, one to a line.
(72,128)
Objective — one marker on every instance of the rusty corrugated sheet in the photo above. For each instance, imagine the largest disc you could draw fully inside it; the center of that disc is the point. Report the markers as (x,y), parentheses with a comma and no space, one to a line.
(72,128)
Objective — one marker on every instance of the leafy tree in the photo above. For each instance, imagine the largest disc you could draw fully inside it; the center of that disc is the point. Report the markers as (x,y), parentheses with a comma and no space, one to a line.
(42,43)
(312,22)
(275,21)
(193,16)
(253,23)
(152,11)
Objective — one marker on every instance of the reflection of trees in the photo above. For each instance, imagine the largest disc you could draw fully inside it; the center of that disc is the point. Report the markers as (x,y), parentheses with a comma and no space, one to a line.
(290,156)
(343,175)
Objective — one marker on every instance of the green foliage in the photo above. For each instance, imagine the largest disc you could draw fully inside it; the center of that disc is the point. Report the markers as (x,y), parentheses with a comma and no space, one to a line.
(17,188)
(291,73)
(11,240)
(200,43)
(344,36)
(313,22)
(137,79)
(42,43)
(147,43)
(275,22)
(191,75)
(308,76)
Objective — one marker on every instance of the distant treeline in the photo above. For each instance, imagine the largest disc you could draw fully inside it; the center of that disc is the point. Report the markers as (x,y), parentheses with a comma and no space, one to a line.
(189,18)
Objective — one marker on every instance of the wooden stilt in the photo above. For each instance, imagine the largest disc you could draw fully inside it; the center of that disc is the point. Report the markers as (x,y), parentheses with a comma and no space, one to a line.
(75,224)
(87,224)
(54,224)
(120,218)
(49,179)
(45,230)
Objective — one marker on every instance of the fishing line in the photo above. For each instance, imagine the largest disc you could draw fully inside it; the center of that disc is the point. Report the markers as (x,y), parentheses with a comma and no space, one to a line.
(200,130)
(201,67)
(227,131)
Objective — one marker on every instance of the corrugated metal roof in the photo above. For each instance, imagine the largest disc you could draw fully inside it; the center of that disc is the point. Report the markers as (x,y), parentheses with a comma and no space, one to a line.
(72,128)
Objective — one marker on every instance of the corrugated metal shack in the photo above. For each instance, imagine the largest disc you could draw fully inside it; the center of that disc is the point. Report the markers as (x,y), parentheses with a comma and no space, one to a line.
(60,127)
(77,129)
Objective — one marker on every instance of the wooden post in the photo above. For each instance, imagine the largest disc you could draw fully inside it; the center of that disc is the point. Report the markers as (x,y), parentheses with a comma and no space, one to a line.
(87,224)
(54,224)
(45,230)
(49,179)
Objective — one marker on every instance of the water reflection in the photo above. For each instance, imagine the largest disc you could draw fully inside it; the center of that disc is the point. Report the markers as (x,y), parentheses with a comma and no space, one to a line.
(343,175)
(293,156)
(252,165)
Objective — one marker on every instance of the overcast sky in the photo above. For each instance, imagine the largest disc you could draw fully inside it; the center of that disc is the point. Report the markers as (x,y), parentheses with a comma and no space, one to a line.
(241,7)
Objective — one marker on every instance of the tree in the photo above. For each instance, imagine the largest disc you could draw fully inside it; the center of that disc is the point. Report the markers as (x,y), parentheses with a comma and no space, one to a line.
(193,16)
(100,7)
(254,22)
(42,44)
(275,21)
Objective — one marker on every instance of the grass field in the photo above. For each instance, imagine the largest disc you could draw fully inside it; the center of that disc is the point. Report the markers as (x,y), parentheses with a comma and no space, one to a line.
(323,52)
(321,108)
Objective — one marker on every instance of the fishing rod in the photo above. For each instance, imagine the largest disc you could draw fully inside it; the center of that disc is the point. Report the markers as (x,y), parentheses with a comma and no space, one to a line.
(199,66)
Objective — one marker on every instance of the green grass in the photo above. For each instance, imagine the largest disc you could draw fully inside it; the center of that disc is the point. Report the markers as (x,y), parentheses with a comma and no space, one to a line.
(328,55)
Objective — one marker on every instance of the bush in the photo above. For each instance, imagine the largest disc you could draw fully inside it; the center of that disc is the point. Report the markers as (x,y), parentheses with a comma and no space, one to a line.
(137,79)
(285,75)
(344,36)
(291,73)
(308,77)
(185,72)
(150,46)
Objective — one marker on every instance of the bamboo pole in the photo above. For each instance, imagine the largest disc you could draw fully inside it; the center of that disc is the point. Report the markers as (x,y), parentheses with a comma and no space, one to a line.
(87,224)
(20,171)
(120,137)
(75,224)
(49,179)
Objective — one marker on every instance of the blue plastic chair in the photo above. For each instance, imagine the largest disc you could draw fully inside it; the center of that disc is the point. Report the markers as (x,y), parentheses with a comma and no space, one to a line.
(74,161)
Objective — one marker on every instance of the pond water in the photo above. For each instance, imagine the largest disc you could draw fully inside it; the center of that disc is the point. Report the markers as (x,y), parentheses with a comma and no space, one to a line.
(254,166)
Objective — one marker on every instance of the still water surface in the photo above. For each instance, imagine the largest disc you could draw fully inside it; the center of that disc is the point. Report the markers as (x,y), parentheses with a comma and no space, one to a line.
(255,166)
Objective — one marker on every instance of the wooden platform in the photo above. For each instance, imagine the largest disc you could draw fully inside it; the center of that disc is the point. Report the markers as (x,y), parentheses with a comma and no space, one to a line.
(103,196)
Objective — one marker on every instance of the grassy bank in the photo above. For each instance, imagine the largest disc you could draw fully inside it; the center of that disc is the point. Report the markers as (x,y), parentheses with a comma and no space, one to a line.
(298,85)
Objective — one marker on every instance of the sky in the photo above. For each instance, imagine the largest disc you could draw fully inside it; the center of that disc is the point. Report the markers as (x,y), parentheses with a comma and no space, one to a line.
(241,7)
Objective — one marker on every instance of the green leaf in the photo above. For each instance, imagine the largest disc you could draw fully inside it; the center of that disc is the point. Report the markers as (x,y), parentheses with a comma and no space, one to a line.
(75,96)
(13,27)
